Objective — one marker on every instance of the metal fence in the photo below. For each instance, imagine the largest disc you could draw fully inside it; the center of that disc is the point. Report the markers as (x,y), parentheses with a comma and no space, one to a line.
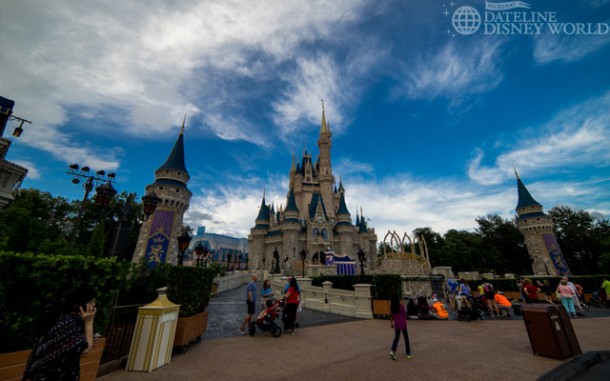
(119,334)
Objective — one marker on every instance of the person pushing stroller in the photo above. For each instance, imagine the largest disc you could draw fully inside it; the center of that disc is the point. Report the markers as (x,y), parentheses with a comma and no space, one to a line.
(265,321)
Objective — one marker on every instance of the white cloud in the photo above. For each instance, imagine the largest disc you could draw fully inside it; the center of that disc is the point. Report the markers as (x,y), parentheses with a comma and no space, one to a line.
(454,71)
(566,48)
(33,172)
(575,137)
(146,65)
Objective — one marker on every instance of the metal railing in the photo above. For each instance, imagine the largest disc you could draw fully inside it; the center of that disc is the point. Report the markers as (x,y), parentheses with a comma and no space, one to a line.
(119,334)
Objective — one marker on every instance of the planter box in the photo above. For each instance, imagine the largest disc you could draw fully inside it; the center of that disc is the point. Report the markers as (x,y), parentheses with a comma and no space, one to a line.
(381,308)
(190,328)
(12,364)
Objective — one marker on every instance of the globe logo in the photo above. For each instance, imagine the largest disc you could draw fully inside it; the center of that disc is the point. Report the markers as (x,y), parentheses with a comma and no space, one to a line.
(466,20)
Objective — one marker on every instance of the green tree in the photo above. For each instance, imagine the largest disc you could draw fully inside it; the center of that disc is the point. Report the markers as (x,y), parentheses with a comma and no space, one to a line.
(434,242)
(581,238)
(461,250)
(38,222)
(503,246)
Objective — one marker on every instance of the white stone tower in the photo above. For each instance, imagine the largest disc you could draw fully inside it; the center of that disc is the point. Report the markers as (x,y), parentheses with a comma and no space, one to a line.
(157,241)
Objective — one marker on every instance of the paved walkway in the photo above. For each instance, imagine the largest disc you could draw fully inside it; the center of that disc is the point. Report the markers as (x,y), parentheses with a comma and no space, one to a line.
(358,350)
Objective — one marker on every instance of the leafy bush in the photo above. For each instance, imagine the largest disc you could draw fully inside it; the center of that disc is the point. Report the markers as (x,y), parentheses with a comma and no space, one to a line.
(141,283)
(384,285)
(191,287)
(33,284)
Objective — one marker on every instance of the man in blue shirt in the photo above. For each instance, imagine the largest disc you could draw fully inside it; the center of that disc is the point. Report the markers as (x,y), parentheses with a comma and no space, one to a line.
(251,302)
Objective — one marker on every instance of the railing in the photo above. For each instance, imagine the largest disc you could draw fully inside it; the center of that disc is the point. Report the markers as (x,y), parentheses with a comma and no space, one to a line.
(355,303)
(118,336)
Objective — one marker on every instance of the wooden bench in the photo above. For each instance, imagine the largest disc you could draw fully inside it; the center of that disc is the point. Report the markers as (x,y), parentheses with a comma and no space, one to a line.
(12,364)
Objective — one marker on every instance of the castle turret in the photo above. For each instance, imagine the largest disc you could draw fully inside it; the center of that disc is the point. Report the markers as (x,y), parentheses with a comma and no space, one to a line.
(325,173)
(537,229)
(157,240)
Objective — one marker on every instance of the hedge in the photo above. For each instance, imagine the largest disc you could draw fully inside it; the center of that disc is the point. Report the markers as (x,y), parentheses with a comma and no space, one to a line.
(191,287)
(32,285)
(384,285)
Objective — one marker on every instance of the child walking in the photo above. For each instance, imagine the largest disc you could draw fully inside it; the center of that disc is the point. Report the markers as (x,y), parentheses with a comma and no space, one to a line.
(398,321)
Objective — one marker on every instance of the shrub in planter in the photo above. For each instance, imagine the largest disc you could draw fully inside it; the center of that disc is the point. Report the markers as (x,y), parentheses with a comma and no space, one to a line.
(191,287)
(32,284)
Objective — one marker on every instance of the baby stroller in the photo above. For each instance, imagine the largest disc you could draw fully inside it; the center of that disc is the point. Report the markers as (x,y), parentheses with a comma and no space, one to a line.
(467,309)
(599,298)
(423,308)
(265,321)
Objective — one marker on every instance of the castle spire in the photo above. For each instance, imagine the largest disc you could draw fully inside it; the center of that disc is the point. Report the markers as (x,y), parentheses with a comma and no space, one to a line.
(324,130)
(175,160)
(525,198)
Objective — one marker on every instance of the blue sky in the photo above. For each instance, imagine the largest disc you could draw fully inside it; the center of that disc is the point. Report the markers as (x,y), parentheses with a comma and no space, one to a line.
(427,122)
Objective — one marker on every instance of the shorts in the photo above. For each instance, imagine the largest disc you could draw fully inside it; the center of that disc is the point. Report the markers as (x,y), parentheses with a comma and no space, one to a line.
(251,307)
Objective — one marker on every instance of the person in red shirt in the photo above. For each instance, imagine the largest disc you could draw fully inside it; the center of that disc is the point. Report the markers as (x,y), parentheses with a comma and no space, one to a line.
(292,302)
(530,291)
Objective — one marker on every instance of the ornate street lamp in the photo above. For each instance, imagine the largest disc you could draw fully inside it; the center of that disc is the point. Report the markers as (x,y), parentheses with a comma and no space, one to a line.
(303,258)
(362,259)
(199,251)
(150,202)
(183,244)
(104,193)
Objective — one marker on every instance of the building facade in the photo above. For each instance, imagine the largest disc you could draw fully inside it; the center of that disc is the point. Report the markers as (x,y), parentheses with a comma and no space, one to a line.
(157,241)
(537,229)
(314,221)
(230,251)
(11,174)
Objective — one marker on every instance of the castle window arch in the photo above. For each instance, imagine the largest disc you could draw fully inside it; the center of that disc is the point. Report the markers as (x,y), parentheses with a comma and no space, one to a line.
(324,234)
(315,232)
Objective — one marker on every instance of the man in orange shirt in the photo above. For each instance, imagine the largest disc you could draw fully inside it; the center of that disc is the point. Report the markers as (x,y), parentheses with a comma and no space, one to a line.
(438,311)
(502,302)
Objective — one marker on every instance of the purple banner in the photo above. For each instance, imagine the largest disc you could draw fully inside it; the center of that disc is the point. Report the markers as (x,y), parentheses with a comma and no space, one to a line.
(158,241)
(555,253)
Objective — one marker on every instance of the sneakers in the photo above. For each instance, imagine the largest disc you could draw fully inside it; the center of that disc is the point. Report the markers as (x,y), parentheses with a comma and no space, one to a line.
(243,333)
(409,357)
(392,355)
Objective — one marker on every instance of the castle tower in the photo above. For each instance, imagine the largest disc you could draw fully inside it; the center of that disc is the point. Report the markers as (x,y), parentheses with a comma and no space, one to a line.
(344,225)
(537,229)
(256,240)
(325,172)
(314,220)
(157,241)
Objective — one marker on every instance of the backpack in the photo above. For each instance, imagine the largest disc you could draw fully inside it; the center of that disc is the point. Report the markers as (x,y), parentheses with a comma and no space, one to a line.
(488,288)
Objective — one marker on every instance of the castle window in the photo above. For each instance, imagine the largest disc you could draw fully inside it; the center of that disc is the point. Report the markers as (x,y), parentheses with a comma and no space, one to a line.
(324,234)
(177,190)
(315,232)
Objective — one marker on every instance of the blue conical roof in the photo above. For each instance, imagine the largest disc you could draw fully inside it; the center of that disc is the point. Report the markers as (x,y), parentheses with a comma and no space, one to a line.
(292,204)
(175,160)
(525,198)
(263,213)
(342,206)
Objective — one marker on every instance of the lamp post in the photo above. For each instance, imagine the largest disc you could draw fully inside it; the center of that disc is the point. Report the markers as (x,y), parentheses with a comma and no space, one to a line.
(104,191)
(150,202)
(303,258)
(362,259)
(199,252)
(183,244)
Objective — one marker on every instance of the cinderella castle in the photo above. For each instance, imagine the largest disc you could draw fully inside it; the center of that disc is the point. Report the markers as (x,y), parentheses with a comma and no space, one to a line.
(314,222)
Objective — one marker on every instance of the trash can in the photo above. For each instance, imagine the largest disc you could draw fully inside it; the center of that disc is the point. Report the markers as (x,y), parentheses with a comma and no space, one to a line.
(550,331)
(153,336)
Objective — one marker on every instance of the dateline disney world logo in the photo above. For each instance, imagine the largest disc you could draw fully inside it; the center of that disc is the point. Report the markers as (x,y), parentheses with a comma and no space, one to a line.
(514,18)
